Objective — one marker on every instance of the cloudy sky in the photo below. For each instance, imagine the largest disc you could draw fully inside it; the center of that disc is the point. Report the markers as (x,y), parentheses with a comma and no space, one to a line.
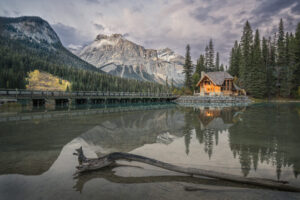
(159,23)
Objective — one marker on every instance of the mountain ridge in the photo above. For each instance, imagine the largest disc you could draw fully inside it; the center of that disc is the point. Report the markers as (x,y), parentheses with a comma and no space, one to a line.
(118,56)
(30,43)
(37,35)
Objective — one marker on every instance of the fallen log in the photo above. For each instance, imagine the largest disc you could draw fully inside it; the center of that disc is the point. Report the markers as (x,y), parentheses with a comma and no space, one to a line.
(90,164)
(108,173)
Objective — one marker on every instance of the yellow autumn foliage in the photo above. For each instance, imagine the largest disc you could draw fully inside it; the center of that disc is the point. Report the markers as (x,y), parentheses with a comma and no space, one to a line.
(38,80)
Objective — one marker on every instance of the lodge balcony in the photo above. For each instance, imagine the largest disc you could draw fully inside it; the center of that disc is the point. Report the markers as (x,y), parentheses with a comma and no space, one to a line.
(223,92)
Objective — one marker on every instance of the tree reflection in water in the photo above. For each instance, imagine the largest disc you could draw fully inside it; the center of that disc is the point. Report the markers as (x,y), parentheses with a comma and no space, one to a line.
(208,123)
(260,133)
(267,134)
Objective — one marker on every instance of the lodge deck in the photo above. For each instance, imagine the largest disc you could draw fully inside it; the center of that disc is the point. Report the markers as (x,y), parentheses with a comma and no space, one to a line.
(213,99)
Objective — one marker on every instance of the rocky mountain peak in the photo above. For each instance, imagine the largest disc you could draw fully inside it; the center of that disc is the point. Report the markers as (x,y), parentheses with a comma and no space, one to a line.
(116,35)
(108,37)
(101,36)
(169,55)
(33,29)
(118,56)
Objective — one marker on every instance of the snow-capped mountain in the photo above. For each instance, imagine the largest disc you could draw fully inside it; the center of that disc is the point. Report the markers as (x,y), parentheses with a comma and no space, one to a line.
(32,29)
(35,35)
(118,56)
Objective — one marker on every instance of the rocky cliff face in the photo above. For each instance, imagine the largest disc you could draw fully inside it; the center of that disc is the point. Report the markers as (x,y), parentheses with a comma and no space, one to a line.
(31,29)
(35,35)
(118,56)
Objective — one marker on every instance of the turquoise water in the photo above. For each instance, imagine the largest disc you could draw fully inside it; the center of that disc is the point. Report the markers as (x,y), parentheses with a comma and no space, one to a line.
(257,140)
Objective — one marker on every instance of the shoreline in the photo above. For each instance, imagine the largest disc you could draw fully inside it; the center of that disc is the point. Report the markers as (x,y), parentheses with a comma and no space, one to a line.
(254,100)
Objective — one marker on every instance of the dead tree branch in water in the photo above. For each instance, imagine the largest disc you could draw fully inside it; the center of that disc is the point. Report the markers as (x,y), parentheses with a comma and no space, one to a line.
(87,164)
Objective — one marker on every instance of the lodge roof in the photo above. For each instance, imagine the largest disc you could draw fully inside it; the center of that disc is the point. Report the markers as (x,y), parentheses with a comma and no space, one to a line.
(217,77)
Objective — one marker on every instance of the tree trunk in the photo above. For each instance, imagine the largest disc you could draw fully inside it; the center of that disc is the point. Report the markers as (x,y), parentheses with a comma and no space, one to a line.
(87,164)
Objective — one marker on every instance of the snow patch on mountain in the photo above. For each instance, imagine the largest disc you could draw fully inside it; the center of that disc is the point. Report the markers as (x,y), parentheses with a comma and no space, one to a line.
(118,56)
(33,29)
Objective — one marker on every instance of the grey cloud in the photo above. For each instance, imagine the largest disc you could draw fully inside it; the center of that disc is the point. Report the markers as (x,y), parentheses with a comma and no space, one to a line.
(137,8)
(100,14)
(290,23)
(6,13)
(267,9)
(168,32)
(92,1)
(69,35)
(189,1)
(12,13)
(202,14)
(241,13)
(296,9)
(99,27)
(102,2)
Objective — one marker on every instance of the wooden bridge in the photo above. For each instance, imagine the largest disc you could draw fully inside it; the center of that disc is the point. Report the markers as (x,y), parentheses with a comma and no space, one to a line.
(41,98)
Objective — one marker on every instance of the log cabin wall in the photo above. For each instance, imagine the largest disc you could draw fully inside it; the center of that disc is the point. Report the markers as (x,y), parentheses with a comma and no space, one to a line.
(217,83)
(227,87)
(207,86)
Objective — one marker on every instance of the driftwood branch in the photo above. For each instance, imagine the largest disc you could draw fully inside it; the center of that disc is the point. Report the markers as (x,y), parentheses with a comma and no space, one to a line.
(87,164)
(108,173)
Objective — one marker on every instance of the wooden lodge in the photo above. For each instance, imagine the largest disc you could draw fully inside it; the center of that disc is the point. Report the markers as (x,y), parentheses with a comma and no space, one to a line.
(217,83)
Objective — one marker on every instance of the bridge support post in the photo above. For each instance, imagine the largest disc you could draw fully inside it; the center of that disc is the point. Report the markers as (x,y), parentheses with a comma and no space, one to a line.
(38,102)
(61,102)
(81,101)
(50,104)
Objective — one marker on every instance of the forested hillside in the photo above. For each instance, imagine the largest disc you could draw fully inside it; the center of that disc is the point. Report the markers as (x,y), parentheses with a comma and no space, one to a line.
(29,43)
(16,60)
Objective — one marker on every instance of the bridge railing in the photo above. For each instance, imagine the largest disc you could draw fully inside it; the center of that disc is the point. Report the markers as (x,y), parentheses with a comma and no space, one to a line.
(39,93)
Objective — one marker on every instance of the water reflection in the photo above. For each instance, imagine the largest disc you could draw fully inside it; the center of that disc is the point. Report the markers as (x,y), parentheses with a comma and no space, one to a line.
(208,123)
(268,134)
(31,142)
(258,140)
(261,133)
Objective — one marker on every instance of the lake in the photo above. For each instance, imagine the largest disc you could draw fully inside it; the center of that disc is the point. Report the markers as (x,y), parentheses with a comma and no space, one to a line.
(258,140)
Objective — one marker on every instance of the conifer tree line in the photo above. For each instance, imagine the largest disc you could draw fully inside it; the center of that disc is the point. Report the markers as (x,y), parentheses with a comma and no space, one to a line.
(16,61)
(208,62)
(267,67)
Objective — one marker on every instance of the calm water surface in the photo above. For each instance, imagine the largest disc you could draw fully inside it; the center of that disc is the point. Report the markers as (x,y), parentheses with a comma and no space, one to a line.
(258,140)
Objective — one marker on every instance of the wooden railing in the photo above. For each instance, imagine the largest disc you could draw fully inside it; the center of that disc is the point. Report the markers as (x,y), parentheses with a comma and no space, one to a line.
(34,93)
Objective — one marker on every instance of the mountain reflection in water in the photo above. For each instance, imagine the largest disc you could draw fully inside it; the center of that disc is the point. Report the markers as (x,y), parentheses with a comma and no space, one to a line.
(257,140)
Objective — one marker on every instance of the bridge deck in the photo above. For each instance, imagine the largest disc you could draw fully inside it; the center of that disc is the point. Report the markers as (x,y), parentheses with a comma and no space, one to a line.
(34,94)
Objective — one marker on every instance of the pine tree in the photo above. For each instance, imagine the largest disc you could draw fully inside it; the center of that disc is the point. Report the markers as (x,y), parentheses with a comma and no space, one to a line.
(172,84)
(281,62)
(289,63)
(296,74)
(188,69)
(217,62)
(266,64)
(231,62)
(235,60)
(271,71)
(196,78)
(206,58)
(257,75)
(222,68)
(246,49)
(211,56)
(200,65)
(167,84)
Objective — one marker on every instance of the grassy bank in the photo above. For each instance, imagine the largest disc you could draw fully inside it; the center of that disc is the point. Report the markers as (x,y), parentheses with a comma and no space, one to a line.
(278,100)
